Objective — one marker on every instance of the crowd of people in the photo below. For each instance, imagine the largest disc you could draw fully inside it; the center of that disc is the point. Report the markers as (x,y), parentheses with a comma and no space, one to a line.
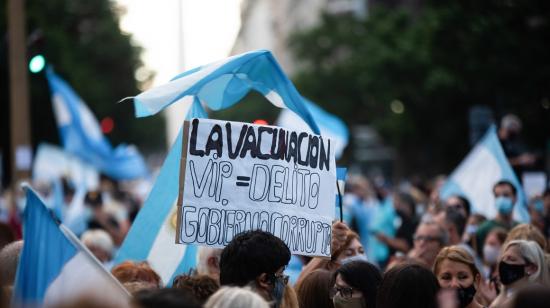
(432,253)
(401,247)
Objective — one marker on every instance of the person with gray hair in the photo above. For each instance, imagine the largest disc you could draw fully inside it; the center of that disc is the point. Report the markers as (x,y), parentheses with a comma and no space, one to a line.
(100,243)
(208,262)
(9,259)
(521,264)
(235,297)
(429,238)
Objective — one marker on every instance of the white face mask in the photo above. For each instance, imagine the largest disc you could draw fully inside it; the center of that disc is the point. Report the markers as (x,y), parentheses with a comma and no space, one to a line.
(490,254)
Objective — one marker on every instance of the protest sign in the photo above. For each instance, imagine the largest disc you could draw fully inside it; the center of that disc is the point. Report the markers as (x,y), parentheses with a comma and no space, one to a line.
(237,176)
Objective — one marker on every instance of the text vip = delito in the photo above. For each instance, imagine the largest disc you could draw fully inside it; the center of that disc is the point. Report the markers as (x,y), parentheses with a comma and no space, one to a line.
(270,181)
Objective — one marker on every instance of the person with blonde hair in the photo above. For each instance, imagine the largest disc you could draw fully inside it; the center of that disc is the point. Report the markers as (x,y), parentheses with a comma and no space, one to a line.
(521,264)
(527,232)
(235,297)
(455,269)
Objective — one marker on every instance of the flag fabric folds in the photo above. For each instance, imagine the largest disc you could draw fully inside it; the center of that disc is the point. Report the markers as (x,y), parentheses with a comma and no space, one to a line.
(474,178)
(331,126)
(81,135)
(55,268)
(222,84)
(153,234)
(52,163)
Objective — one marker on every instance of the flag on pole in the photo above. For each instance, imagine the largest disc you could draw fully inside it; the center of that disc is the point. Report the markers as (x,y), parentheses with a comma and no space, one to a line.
(81,135)
(330,125)
(153,234)
(55,267)
(476,175)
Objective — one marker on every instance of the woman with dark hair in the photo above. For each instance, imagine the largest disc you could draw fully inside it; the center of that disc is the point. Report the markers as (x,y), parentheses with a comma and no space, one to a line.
(408,285)
(355,285)
(313,290)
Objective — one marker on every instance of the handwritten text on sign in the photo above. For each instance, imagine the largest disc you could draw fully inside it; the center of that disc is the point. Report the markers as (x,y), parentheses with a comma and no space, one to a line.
(237,177)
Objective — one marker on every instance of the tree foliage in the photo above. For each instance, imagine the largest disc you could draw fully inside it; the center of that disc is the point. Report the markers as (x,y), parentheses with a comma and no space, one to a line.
(438,61)
(82,41)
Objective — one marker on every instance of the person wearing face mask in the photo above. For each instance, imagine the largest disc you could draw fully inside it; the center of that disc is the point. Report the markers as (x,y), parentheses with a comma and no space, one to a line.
(355,285)
(491,249)
(256,259)
(505,194)
(455,269)
(521,264)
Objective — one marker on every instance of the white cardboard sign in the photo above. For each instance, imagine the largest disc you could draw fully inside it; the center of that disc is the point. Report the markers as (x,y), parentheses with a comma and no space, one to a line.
(238,176)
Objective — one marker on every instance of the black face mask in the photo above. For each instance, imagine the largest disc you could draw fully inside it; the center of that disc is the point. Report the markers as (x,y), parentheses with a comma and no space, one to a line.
(466,295)
(510,273)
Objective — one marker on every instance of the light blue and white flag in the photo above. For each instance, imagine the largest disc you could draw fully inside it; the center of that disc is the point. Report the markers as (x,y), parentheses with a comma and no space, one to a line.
(55,268)
(222,84)
(331,126)
(51,163)
(152,236)
(476,175)
(81,135)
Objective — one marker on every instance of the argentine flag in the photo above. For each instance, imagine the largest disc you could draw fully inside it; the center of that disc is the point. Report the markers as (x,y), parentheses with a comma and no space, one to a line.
(331,126)
(218,85)
(476,175)
(224,83)
(152,237)
(81,135)
(55,268)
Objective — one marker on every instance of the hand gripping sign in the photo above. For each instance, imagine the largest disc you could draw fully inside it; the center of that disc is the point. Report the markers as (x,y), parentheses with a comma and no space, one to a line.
(238,176)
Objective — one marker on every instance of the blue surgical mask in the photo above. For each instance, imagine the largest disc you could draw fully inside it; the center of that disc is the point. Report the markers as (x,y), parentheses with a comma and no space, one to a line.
(504,205)
(278,291)
(361,257)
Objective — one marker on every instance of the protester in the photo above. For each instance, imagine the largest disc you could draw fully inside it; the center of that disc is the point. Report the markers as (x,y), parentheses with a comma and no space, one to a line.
(130,273)
(345,247)
(459,203)
(509,134)
(9,259)
(256,258)
(405,208)
(491,250)
(470,232)
(290,298)
(313,290)
(100,244)
(535,296)
(407,285)
(428,241)
(454,223)
(505,197)
(455,269)
(521,264)
(6,235)
(355,285)
(166,298)
(201,286)
(527,232)
(235,297)
(208,262)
